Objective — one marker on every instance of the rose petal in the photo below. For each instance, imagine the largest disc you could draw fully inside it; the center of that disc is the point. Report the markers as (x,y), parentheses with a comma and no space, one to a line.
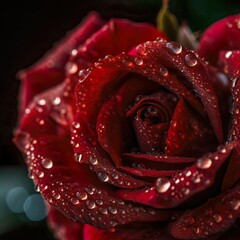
(172,55)
(132,232)
(212,41)
(185,127)
(232,174)
(111,119)
(63,227)
(50,70)
(215,216)
(172,192)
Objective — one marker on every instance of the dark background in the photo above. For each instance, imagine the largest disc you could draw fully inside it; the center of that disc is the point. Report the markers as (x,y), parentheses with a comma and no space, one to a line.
(29,29)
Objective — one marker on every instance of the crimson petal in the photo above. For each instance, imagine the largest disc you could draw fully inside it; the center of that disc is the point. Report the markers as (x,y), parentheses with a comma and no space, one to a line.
(171,54)
(215,216)
(187,126)
(212,41)
(50,70)
(63,227)
(168,193)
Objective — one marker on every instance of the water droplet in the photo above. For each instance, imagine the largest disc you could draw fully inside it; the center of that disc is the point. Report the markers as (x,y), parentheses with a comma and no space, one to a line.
(196,230)
(103,177)
(76,125)
(112,210)
(56,196)
(163,71)
(82,195)
(74,201)
(99,202)
(71,68)
(37,189)
(189,220)
(188,173)
(103,211)
(204,163)
(90,204)
(228,54)
(90,190)
(196,179)
(47,163)
(40,174)
(235,204)
(186,191)
(162,185)
(190,60)
(78,157)
(74,52)
(174,47)
(93,160)
(217,218)
(138,61)
(221,149)
(113,223)
(83,74)
(41,102)
(56,101)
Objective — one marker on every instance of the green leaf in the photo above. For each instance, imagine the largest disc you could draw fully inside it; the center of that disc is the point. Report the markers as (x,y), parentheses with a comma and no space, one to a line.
(167,22)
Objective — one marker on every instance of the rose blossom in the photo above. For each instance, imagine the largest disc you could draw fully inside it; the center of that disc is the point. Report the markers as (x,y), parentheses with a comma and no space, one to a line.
(129,136)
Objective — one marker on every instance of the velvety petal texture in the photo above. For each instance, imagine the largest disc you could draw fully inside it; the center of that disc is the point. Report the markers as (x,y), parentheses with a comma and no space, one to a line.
(129,136)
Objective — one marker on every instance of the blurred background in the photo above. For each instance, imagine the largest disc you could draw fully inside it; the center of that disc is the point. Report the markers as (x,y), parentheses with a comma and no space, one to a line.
(29,29)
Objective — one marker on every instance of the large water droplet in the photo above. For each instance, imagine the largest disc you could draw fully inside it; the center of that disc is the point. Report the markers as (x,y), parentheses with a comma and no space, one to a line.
(163,71)
(41,102)
(217,218)
(93,160)
(90,204)
(82,195)
(112,210)
(56,101)
(228,54)
(174,47)
(74,201)
(47,163)
(56,196)
(76,125)
(71,68)
(103,211)
(40,174)
(190,60)
(162,185)
(204,163)
(113,223)
(235,204)
(103,177)
(138,61)
(78,157)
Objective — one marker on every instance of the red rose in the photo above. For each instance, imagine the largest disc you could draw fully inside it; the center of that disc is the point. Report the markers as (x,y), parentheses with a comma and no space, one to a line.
(129,135)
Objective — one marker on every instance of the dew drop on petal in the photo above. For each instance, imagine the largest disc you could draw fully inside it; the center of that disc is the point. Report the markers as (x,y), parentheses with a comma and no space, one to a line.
(217,218)
(221,149)
(112,210)
(190,60)
(71,68)
(163,71)
(174,47)
(74,201)
(78,157)
(76,125)
(82,195)
(56,196)
(228,54)
(113,223)
(93,160)
(162,185)
(56,101)
(235,204)
(138,61)
(103,211)
(47,163)
(40,174)
(41,102)
(90,204)
(103,177)
(204,163)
